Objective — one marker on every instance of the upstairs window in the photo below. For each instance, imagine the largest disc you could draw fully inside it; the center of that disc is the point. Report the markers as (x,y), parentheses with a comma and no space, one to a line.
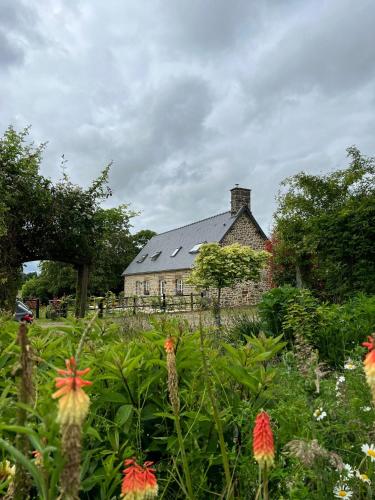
(179,287)
(142,258)
(175,252)
(155,255)
(196,248)
(146,288)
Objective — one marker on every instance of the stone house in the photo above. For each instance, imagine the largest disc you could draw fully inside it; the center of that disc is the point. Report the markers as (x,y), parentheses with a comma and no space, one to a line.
(166,260)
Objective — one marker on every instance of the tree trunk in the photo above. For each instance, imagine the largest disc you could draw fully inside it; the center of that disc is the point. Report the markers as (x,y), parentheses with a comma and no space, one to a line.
(299,281)
(217,309)
(9,283)
(81,290)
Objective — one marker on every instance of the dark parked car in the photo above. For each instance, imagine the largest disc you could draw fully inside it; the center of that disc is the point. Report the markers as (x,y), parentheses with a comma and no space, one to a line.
(23,313)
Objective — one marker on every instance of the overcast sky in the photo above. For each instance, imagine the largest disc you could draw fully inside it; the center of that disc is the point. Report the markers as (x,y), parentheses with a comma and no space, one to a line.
(189,97)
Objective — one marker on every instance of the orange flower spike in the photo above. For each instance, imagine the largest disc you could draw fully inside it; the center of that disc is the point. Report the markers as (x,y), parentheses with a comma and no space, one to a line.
(370,344)
(263,446)
(74,402)
(369,365)
(169,345)
(139,483)
(151,485)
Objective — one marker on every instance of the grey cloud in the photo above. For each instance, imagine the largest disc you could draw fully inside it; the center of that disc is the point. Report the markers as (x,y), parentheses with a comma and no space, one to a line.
(9,54)
(210,25)
(190,97)
(331,56)
(17,29)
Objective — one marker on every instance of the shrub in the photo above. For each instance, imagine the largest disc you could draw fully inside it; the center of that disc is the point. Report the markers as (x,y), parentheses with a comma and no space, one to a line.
(244,324)
(343,327)
(273,308)
(333,329)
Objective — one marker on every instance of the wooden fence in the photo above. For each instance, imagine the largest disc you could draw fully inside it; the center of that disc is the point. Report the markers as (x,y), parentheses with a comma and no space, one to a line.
(150,304)
(111,304)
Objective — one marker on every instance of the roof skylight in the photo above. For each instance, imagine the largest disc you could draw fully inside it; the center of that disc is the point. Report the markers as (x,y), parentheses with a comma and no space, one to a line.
(155,255)
(142,258)
(175,252)
(195,248)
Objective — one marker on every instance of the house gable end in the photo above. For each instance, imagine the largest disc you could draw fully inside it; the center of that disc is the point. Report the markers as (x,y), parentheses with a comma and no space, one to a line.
(245,230)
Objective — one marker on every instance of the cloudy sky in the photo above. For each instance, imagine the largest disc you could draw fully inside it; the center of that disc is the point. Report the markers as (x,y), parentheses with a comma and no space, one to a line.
(189,97)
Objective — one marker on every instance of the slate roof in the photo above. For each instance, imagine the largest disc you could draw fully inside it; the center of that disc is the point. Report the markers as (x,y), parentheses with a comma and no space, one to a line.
(209,230)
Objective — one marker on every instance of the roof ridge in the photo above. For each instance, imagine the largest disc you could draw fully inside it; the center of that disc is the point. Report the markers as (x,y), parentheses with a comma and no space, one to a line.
(192,223)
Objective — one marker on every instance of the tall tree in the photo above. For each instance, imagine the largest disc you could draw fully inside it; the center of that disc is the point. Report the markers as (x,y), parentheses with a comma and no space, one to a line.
(42,220)
(324,228)
(116,250)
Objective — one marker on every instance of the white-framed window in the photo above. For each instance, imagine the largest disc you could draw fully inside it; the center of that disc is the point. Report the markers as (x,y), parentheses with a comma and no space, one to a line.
(155,255)
(146,287)
(162,286)
(138,287)
(196,247)
(179,286)
(175,252)
(141,258)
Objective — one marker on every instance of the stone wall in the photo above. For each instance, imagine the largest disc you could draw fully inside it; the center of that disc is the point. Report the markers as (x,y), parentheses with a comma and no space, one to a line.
(169,277)
(244,232)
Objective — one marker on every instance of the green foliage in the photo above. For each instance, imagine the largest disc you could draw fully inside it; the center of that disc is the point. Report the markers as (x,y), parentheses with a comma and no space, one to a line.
(39,219)
(219,266)
(60,222)
(272,308)
(55,280)
(224,266)
(130,412)
(243,326)
(117,248)
(324,228)
(334,329)
(343,327)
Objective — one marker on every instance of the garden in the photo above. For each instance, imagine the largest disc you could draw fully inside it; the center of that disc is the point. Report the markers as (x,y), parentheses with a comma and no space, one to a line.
(278,405)
(272,402)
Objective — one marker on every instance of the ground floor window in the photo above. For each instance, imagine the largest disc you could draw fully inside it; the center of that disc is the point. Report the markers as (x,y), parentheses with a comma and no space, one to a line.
(146,287)
(162,286)
(179,287)
(138,287)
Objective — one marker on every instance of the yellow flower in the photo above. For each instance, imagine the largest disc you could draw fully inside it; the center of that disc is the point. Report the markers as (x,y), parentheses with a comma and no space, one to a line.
(7,471)
(74,402)
(369,451)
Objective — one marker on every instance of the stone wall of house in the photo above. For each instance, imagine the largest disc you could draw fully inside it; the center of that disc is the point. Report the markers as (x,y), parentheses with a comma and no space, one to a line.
(244,232)
(168,277)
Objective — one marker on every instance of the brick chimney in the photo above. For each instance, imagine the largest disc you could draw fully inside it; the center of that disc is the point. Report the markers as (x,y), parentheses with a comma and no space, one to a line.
(239,198)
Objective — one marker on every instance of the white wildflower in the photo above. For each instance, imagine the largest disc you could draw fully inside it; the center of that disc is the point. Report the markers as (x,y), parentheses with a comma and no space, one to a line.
(366,408)
(319,413)
(362,477)
(369,451)
(348,471)
(342,491)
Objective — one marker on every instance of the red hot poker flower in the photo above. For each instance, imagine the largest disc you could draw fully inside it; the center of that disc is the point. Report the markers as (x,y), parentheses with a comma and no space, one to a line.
(139,483)
(370,344)
(369,365)
(74,402)
(263,446)
(169,345)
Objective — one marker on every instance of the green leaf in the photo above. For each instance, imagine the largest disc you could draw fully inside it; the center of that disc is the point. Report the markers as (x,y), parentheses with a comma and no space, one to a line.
(114,397)
(123,414)
(91,431)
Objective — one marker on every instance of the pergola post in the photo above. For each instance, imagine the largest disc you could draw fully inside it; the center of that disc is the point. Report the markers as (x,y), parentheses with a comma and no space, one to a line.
(81,290)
